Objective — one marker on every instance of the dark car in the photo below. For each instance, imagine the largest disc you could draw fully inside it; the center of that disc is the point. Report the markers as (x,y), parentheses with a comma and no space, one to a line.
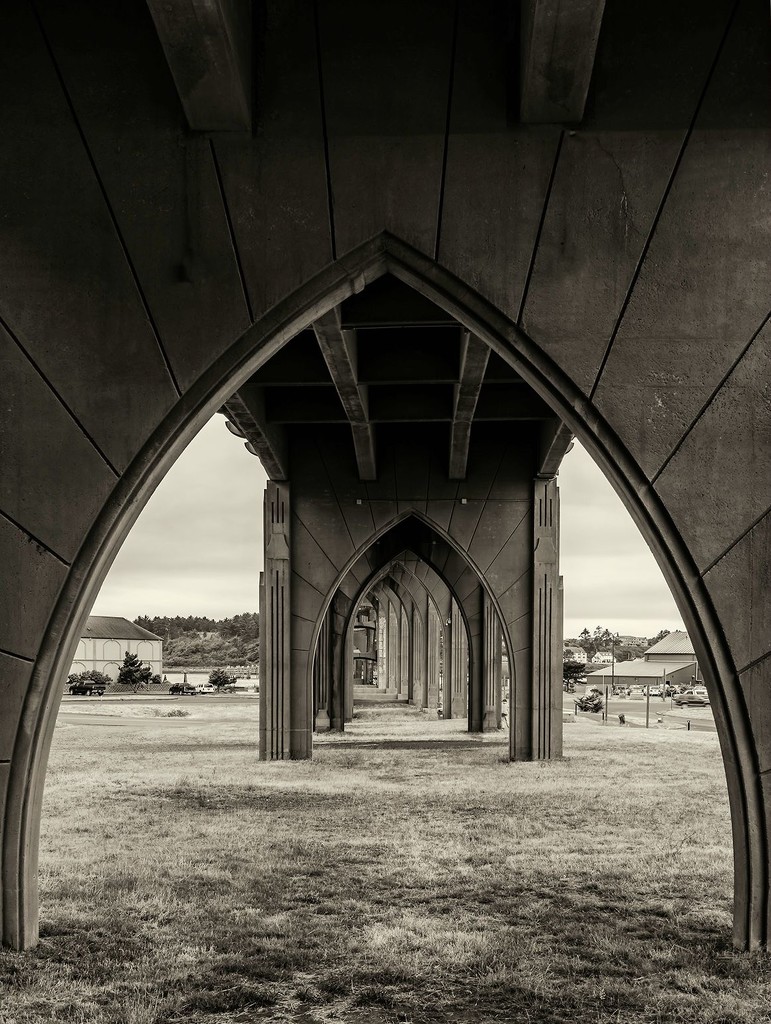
(183,689)
(87,689)
(691,699)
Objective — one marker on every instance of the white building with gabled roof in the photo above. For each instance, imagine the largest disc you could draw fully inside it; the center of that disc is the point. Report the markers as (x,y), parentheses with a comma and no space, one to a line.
(104,644)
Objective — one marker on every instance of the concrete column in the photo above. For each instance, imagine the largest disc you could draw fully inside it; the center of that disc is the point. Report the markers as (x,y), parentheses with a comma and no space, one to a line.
(448,669)
(455,707)
(275,620)
(382,646)
(348,675)
(405,661)
(339,661)
(322,663)
(432,659)
(394,650)
(417,658)
(455,670)
(547,624)
(491,653)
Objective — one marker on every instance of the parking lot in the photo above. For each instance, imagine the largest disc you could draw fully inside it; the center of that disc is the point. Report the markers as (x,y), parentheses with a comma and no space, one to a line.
(663,713)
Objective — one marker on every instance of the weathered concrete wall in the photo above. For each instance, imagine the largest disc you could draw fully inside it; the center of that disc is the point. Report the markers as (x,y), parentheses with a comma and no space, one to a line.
(634,252)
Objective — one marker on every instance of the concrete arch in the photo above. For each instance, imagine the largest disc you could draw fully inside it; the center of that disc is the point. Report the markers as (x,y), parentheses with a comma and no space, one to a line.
(386,573)
(394,533)
(452,617)
(67,610)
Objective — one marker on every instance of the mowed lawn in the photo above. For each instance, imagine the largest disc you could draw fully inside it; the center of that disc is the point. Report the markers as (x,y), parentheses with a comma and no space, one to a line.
(409,873)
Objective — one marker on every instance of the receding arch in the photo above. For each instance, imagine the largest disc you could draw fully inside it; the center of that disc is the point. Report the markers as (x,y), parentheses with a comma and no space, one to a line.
(339,280)
(389,528)
(385,572)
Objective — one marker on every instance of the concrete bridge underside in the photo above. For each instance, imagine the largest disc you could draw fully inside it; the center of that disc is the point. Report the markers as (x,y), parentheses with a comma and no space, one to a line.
(191,193)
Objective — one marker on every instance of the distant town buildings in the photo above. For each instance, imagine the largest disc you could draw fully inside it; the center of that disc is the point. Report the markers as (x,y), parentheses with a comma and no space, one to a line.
(572,653)
(672,660)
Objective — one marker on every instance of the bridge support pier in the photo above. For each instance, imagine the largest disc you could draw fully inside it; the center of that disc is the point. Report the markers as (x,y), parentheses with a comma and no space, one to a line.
(275,625)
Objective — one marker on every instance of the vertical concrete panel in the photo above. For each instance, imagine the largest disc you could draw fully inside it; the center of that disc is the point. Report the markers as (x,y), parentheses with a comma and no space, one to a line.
(15,676)
(606,191)
(386,97)
(127,106)
(739,586)
(719,481)
(394,650)
(283,732)
(43,453)
(546,682)
(66,288)
(433,659)
(275,182)
(309,558)
(405,658)
(499,520)
(703,290)
(497,174)
(756,683)
(322,669)
(491,655)
(32,580)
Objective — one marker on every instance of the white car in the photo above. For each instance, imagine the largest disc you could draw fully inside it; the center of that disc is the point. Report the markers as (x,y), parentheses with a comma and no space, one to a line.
(206,688)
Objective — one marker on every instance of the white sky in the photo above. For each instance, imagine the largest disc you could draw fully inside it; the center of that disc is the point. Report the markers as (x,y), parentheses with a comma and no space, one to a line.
(196,549)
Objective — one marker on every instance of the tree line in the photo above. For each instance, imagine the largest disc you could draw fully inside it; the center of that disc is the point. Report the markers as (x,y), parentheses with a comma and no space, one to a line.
(245,626)
(602,639)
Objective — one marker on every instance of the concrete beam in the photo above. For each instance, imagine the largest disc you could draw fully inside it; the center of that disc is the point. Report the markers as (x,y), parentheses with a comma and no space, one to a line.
(245,412)
(338,347)
(555,442)
(558,45)
(474,355)
(208,48)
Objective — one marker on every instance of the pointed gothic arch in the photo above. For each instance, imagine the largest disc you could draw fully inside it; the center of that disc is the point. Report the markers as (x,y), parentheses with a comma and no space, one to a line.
(348,275)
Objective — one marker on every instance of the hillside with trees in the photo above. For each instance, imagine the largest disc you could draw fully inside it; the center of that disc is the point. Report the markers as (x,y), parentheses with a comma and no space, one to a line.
(195,641)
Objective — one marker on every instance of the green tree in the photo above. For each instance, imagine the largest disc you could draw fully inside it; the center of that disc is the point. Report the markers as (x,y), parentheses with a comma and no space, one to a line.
(585,639)
(133,673)
(90,675)
(659,636)
(572,670)
(219,678)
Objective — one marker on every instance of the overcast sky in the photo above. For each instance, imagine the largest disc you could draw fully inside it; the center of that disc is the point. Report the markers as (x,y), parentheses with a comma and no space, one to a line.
(196,549)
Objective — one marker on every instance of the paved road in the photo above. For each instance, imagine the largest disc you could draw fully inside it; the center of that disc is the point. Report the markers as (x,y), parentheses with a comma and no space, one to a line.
(701,719)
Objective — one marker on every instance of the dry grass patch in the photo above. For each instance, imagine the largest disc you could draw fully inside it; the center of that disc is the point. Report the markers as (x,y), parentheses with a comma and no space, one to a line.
(422,879)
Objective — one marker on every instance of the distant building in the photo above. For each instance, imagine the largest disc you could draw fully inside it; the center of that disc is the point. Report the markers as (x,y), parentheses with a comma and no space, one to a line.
(675,646)
(105,641)
(632,641)
(603,658)
(570,653)
(672,660)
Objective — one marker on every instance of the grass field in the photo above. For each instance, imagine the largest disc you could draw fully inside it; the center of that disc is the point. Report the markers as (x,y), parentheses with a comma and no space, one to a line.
(409,873)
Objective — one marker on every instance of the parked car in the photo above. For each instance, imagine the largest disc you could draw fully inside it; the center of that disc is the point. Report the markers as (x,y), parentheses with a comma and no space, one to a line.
(206,688)
(183,689)
(86,689)
(656,691)
(691,699)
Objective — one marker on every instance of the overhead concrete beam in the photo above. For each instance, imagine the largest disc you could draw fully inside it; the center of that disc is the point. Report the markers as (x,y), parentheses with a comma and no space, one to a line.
(556,441)
(245,412)
(558,45)
(338,347)
(474,355)
(208,48)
